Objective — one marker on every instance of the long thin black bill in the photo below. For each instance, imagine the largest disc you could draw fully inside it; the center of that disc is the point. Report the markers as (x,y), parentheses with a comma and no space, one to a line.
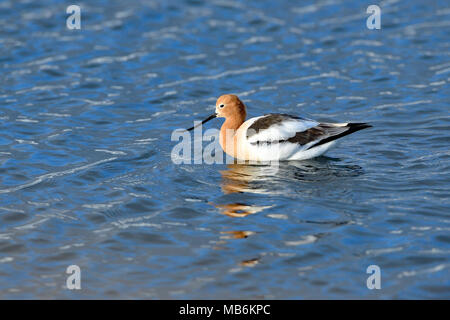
(206,120)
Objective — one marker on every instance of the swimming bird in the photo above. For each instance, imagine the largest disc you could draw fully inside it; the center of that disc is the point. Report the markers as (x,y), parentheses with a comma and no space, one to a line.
(274,136)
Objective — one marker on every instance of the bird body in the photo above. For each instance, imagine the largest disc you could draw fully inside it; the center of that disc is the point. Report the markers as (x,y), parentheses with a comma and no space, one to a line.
(275,136)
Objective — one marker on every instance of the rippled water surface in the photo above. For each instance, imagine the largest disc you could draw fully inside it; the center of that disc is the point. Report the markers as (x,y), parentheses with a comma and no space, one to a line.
(86,175)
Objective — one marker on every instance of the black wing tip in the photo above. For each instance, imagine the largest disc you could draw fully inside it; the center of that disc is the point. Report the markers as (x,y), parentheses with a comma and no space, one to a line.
(358,126)
(352,127)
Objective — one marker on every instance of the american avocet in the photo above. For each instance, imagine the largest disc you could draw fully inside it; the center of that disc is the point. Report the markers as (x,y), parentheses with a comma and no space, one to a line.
(274,136)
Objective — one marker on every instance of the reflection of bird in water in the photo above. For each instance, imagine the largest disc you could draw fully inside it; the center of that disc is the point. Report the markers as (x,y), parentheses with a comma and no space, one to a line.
(294,177)
(238,177)
(234,180)
(239,210)
(250,262)
(278,179)
(274,179)
(236,234)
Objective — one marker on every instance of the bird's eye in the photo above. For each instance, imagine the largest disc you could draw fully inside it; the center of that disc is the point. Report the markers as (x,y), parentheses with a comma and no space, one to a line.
(221,106)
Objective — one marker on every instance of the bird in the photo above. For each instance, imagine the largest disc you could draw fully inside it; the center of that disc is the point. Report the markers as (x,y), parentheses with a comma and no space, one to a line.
(274,136)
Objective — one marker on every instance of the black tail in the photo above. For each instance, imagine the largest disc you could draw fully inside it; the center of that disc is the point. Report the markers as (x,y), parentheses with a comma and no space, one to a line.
(352,127)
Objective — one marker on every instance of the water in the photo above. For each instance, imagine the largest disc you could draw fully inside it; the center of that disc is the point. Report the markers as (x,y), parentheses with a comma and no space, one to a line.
(87,178)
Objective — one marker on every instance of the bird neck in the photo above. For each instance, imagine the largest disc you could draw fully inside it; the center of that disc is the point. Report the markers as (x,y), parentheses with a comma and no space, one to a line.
(228,131)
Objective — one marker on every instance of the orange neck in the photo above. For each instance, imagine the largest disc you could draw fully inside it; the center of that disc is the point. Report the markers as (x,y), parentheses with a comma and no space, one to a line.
(228,133)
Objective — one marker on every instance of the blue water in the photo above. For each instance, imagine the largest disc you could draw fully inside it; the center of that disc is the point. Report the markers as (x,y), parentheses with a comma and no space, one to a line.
(86,176)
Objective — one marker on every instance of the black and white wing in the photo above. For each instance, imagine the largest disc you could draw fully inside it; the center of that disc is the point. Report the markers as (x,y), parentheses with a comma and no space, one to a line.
(283,128)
